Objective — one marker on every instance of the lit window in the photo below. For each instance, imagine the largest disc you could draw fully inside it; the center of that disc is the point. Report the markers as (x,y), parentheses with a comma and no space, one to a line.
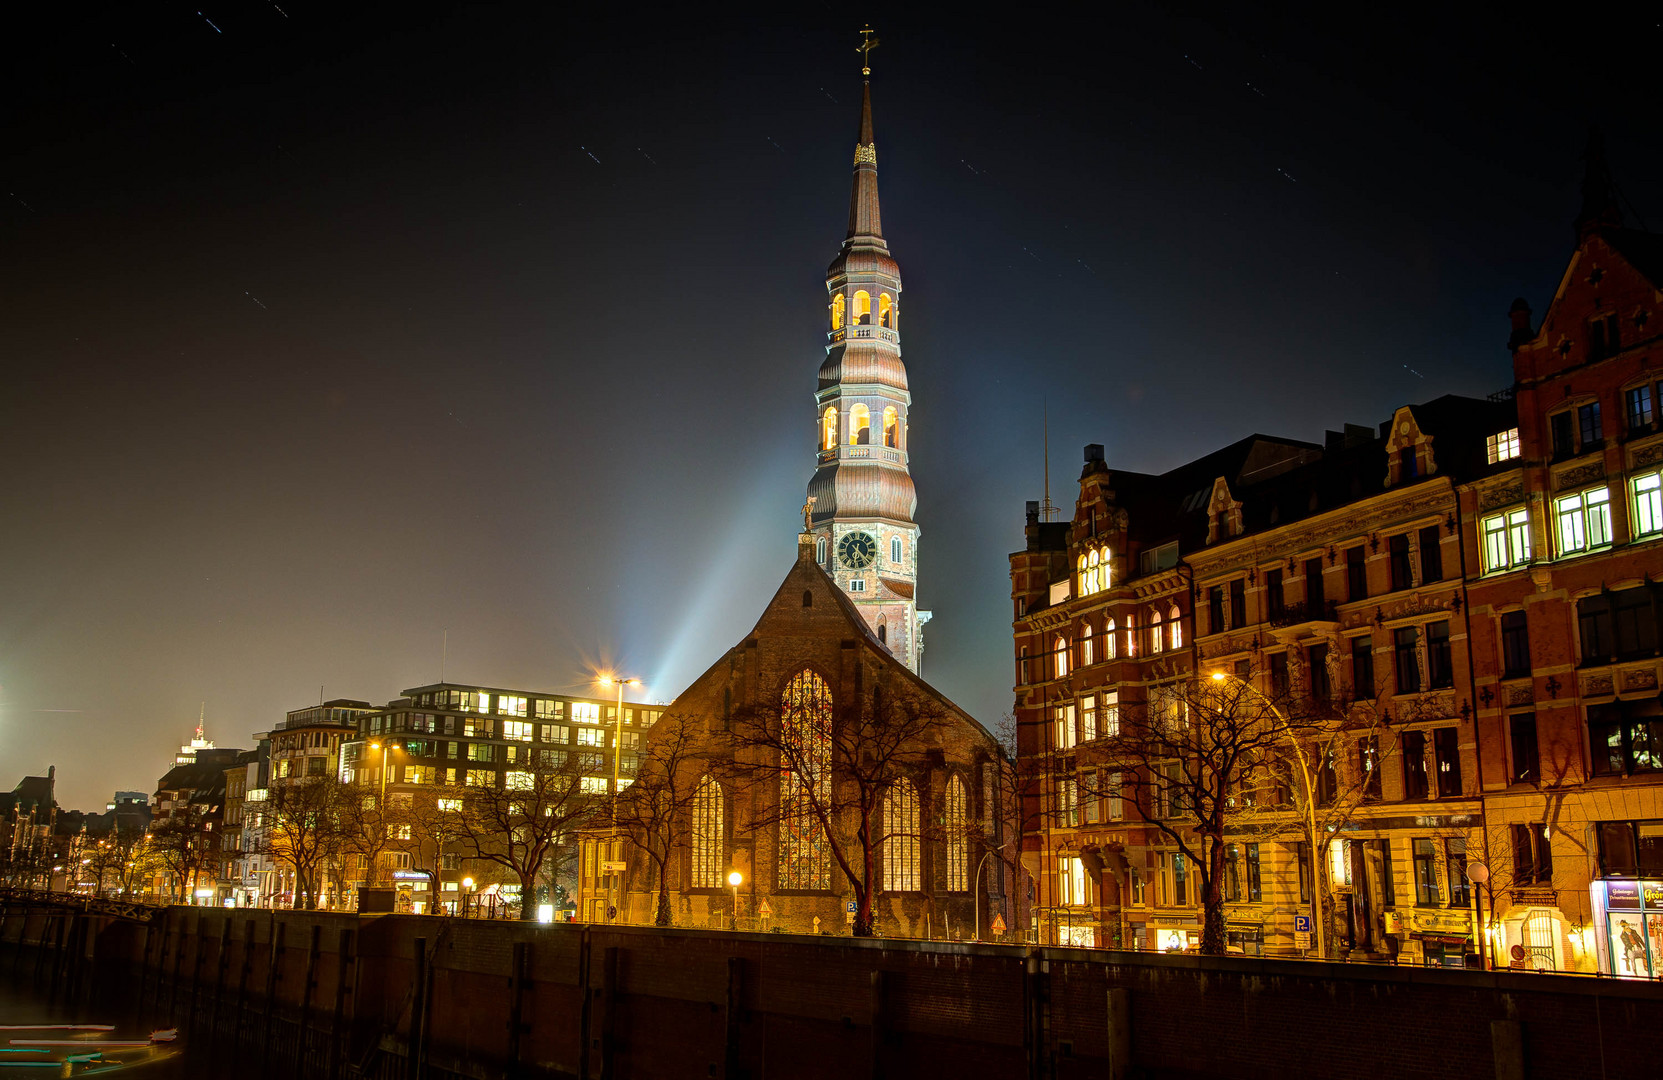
(860,425)
(1648,504)
(707,835)
(1583,520)
(586,712)
(593,785)
(1502,446)
(1175,627)
(418,774)
(1071,883)
(863,308)
(1111,714)
(891,428)
(585,737)
(1506,539)
(885,310)
(481,778)
(518,730)
(518,781)
(1093,567)
(828,428)
(1109,649)
(805,720)
(1064,717)
(1156,633)
(1088,718)
(1086,657)
(450,806)
(958,838)
(510,705)
(901,855)
(837,312)
(1059,650)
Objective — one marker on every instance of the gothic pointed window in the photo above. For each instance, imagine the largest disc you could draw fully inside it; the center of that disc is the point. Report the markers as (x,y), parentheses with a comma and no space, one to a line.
(820,550)
(707,835)
(896,551)
(860,425)
(901,847)
(885,310)
(883,634)
(957,823)
(863,308)
(805,782)
(828,428)
(891,428)
(837,312)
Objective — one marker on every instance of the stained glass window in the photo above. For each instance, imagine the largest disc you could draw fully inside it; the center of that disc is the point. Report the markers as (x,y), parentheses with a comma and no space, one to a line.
(901,842)
(707,835)
(958,838)
(805,780)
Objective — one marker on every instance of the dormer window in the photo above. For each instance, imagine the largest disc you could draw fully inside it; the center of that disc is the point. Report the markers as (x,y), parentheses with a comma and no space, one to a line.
(1502,446)
(1604,337)
(1093,567)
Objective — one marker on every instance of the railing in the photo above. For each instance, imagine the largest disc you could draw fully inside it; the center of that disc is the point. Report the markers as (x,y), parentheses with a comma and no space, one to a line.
(1294,614)
(92,905)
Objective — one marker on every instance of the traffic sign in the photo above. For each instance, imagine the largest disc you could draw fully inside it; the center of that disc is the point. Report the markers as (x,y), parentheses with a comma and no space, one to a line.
(998,925)
(1301,939)
(851,907)
(1302,924)
(614,867)
(765,910)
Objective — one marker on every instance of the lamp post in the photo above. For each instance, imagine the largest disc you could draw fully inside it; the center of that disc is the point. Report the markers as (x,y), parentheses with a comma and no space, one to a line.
(617,756)
(381,800)
(1310,807)
(467,891)
(735,879)
(978,887)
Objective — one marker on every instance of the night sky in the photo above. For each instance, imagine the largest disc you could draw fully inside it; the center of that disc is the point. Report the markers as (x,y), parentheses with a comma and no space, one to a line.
(322,334)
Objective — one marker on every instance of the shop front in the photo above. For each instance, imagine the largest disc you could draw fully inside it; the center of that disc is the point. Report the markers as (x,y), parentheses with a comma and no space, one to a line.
(1628,926)
(1435,937)
(1166,933)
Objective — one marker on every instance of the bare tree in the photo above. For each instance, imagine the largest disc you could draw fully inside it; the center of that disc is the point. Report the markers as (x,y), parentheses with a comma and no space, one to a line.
(182,847)
(304,829)
(525,823)
(835,771)
(1017,810)
(655,812)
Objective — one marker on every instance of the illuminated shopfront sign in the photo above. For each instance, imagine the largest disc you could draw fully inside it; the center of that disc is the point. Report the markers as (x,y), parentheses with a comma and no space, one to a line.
(1628,919)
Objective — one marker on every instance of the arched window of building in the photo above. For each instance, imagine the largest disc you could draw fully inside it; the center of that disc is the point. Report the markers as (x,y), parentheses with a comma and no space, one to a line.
(837,312)
(1082,585)
(805,782)
(828,428)
(1157,638)
(1109,649)
(1060,649)
(1131,635)
(707,835)
(883,634)
(863,308)
(957,822)
(808,598)
(860,425)
(901,847)
(884,310)
(820,550)
(891,428)
(896,551)
(1086,657)
(1176,624)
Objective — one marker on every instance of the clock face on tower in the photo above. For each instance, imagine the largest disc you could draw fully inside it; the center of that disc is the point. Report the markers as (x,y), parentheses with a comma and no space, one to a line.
(857,550)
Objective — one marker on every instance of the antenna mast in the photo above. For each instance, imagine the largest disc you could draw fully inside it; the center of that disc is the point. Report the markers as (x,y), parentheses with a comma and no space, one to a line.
(1048,510)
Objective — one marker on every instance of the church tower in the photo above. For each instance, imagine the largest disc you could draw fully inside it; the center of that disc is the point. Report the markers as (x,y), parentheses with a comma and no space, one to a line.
(862,495)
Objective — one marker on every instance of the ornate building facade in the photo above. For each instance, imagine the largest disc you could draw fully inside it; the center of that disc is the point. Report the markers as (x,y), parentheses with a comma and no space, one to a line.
(861,498)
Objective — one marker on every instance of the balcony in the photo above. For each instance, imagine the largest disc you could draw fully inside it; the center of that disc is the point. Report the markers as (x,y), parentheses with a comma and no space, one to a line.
(1293,615)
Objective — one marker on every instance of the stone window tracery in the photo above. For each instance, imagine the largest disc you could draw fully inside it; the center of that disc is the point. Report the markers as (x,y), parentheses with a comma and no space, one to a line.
(901,845)
(805,781)
(958,837)
(707,834)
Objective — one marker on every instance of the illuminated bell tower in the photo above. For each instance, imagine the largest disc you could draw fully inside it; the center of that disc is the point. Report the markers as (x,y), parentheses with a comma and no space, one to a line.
(863,498)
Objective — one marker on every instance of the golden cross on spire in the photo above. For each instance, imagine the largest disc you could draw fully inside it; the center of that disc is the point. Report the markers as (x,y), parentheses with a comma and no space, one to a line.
(867,44)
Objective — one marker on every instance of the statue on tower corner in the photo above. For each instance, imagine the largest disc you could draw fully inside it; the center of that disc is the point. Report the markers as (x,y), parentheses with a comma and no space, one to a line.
(808,514)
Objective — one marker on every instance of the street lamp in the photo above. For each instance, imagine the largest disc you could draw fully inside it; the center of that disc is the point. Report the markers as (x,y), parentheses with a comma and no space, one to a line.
(467,890)
(617,756)
(381,800)
(735,879)
(1310,806)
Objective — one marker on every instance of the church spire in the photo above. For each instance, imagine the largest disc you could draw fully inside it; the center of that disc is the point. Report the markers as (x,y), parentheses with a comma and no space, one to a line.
(1600,208)
(864,220)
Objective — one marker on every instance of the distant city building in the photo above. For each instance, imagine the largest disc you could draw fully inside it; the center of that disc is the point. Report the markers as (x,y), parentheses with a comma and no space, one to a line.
(249,873)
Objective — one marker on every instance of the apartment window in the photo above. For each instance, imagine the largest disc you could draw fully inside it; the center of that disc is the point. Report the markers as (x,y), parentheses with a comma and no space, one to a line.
(517,730)
(1638,402)
(1215,609)
(1302,857)
(1059,655)
(1238,603)
(1313,588)
(1431,555)
(1648,505)
(1278,674)
(1328,777)
(1318,668)
(1362,667)
(1071,883)
(1275,597)
(1626,737)
(1502,446)
(1356,574)
(1455,860)
(1368,765)
(1111,713)
(1617,625)
(1408,464)
(1255,888)
(481,778)
(1588,425)
(1086,655)
(1515,645)
(1232,874)
(1446,756)
(550,710)
(1117,809)
(585,737)
(1532,855)
(1092,806)
(1180,884)
(1022,667)
(1408,671)
(1521,729)
(1583,520)
(1414,765)
(1440,668)
(553,733)
(857,584)
(1563,432)
(510,705)
(1604,336)
(1398,550)
(1088,717)
(1063,715)
(1631,848)
(1426,873)
(1506,539)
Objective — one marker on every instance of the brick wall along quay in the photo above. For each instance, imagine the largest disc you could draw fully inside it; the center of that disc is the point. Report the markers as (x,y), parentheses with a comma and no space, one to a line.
(685,1003)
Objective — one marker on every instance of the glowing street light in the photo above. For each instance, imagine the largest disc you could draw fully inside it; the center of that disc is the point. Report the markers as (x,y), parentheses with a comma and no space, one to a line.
(735,879)
(617,756)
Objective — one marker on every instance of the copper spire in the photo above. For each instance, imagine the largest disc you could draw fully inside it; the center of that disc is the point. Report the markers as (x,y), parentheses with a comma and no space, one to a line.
(864,219)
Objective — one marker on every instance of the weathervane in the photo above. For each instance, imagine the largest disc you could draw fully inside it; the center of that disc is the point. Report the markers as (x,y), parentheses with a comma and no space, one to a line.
(867,44)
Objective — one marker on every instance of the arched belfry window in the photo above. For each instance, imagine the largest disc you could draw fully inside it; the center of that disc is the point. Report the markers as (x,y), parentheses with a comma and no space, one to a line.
(902,861)
(860,425)
(805,782)
(863,308)
(828,428)
(891,427)
(837,312)
(956,819)
(820,550)
(897,552)
(886,310)
(707,835)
